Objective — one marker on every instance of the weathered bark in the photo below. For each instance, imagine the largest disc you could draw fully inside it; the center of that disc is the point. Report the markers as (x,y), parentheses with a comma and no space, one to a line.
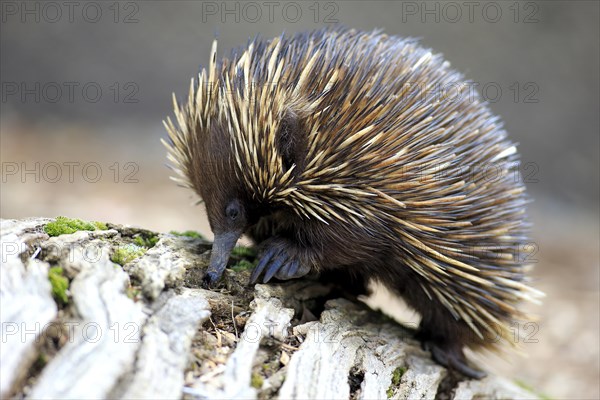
(147,330)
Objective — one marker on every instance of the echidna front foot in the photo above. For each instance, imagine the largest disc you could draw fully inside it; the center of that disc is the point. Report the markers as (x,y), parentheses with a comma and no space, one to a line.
(450,356)
(278,258)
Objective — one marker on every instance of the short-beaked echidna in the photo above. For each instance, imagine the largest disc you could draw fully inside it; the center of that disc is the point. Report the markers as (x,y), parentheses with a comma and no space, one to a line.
(360,154)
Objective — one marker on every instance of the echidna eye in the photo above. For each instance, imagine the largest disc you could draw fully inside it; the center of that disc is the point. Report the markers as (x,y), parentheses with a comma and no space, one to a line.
(233,210)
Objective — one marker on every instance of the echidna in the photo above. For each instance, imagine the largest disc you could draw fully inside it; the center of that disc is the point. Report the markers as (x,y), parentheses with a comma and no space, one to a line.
(339,150)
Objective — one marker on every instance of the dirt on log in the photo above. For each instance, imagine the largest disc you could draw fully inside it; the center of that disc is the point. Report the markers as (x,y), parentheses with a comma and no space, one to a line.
(118,312)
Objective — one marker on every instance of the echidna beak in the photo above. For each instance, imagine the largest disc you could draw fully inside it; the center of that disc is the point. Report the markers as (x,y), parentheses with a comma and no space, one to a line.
(221,250)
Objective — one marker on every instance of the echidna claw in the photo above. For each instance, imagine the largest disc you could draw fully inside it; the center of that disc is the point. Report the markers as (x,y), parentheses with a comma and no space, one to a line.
(275,266)
(278,260)
(287,270)
(453,360)
(261,266)
(293,269)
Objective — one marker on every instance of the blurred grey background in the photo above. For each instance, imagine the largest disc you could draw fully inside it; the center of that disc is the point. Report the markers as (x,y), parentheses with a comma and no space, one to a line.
(85,86)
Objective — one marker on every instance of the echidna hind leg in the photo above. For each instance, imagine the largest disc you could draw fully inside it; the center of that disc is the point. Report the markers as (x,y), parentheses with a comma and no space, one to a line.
(439,332)
(453,359)
(448,353)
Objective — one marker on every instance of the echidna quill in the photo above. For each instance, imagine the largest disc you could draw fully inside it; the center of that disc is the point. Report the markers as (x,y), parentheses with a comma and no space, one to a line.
(338,151)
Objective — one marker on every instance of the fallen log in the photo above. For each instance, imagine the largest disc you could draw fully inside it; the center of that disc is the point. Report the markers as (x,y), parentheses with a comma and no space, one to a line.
(108,311)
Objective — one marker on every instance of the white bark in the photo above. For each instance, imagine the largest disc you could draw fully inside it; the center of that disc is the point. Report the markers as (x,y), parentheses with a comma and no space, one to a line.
(176,340)
(26,301)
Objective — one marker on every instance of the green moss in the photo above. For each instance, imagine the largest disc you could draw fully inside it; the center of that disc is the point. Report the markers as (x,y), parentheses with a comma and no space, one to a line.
(146,241)
(191,234)
(64,225)
(243,265)
(397,375)
(256,380)
(245,258)
(60,285)
(101,226)
(127,253)
(396,378)
(40,362)
(242,251)
(133,292)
